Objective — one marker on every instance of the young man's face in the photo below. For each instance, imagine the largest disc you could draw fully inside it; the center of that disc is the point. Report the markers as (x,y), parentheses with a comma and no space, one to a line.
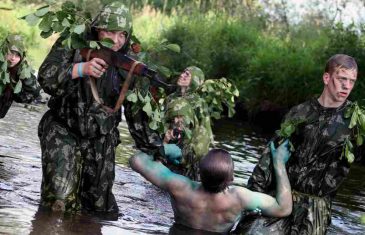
(13,58)
(184,79)
(340,84)
(118,38)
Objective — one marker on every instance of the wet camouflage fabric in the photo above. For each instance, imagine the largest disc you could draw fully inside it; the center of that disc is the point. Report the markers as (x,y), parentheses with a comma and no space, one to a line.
(315,168)
(77,126)
(30,91)
(30,88)
(115,17)
(196,144)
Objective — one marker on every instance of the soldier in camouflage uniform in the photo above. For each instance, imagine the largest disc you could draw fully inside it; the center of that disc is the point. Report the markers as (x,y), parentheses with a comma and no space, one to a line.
(78,137)
(16,60)
(188,117)
(316,168)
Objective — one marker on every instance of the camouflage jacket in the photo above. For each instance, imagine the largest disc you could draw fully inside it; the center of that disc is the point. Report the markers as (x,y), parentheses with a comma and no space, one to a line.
(30,90)
(71,100)
(316,166)
(201,134)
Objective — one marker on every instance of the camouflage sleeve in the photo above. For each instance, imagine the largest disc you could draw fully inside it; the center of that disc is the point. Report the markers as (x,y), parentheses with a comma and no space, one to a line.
(55,72)
(30,90)
(262,179)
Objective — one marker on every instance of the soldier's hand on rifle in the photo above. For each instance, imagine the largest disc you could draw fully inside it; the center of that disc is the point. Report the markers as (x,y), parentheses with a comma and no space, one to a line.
(96,67)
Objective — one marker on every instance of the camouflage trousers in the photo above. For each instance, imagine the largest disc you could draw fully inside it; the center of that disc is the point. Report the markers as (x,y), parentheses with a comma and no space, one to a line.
(311,215)
(77,171)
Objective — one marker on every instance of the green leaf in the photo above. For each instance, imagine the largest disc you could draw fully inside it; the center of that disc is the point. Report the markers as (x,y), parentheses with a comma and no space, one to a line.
(236,92)
(348,112)
(153,125)
(1,89)
(78,42)
(288,130)
(147,108)
(46,23)
(94,45)
(173,47)
(350,157)
(42,11)
(231,112)
(79,29)
(46,34)
(32,19)
(65,22)
(132,97)
(67,43)
(4,66)
(57,27)
(165,71)
(6,78)
(18,87)
(359,140)
(353,120)
(107,42)
(362,121)
(68,5)
(25,72)
(2,57)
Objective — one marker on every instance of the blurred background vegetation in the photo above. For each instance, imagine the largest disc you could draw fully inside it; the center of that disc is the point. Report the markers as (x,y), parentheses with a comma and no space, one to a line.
(274,51)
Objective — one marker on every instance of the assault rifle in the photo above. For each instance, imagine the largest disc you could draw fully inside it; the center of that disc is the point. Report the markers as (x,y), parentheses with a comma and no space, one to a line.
(126,63)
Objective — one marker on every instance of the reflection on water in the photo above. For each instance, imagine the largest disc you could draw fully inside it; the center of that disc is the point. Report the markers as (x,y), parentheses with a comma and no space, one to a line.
(144,209)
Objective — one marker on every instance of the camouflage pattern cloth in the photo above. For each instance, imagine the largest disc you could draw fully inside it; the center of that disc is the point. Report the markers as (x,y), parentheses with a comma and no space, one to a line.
(198,135)
(30,88)
(115,17)
(78,137)
(146,139)
(315,170)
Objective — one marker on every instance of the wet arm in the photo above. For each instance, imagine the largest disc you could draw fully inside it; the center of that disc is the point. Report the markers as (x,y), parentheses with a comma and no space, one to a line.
(281,205)
(157,173)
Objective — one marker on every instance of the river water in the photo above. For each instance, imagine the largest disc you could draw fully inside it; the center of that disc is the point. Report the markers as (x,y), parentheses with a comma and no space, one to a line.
(144,209)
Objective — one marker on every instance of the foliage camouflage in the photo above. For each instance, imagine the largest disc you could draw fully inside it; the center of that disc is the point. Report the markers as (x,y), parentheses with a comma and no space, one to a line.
(316,169)
(13,42)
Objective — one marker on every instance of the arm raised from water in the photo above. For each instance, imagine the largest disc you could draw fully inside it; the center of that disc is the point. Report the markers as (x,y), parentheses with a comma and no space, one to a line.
(157,173)
(281,205)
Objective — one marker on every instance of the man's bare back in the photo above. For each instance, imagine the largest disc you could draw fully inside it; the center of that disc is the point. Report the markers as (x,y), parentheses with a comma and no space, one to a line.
(213,208)
(196,208)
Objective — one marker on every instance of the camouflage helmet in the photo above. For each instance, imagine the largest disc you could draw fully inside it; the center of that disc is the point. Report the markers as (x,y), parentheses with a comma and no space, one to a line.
(179,107)
(115,16)
(197,77)
(15,43)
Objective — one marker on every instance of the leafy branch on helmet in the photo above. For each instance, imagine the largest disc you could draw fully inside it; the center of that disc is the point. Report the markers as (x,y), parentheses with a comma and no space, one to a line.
(67,19)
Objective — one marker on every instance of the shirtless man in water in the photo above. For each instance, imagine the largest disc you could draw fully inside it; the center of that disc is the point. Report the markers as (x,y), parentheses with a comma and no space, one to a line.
(211,205)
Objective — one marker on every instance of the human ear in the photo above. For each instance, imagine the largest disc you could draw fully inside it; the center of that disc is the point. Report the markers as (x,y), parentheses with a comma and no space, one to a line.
(326,78)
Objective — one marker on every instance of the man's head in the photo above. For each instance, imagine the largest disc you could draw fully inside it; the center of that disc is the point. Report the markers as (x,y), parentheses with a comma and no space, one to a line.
(15,50)
(216,170)
(114,22)
(339,77)
(191,77)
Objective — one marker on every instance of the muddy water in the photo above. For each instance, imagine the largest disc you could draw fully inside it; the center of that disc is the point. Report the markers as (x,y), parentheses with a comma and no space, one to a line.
(144,209)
